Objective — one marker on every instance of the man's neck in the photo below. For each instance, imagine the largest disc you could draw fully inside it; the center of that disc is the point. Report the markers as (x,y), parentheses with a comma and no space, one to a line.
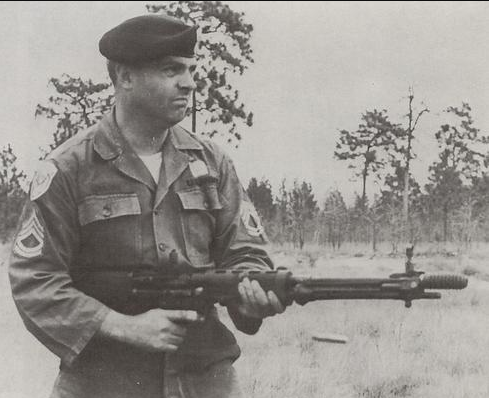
(144,135)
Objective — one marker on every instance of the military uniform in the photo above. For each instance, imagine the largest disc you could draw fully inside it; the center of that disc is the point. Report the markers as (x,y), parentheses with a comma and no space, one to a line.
(94,205)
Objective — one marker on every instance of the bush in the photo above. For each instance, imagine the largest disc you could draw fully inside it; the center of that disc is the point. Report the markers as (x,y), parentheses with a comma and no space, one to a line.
(12,195)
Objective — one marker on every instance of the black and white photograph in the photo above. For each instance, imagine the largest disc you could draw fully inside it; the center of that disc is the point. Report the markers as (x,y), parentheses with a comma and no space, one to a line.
(230,199)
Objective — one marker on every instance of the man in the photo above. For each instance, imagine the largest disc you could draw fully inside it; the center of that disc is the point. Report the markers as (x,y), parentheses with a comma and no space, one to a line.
(134,190)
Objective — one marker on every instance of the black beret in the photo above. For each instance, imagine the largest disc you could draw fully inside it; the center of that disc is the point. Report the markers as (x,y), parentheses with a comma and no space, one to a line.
(147,38)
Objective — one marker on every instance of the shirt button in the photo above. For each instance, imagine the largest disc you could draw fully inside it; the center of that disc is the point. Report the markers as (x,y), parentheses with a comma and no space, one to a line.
(162,247)
(106,211)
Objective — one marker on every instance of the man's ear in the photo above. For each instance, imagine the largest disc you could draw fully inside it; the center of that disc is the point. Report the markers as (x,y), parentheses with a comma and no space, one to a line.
(125,76)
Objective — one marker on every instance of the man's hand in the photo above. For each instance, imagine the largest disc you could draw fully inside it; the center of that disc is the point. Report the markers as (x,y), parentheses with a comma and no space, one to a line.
(255,303)
(155,330)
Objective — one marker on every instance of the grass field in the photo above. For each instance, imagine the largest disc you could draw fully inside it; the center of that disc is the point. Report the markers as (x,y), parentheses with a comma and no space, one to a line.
(437,348)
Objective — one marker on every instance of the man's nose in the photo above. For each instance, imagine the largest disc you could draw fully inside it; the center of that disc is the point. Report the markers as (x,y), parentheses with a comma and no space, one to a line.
(187,81)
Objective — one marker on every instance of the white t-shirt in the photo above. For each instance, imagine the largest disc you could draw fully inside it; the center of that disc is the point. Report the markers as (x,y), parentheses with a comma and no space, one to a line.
(153,164)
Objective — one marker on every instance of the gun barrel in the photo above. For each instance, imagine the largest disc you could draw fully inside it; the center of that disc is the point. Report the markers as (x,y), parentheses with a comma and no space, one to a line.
(403,287)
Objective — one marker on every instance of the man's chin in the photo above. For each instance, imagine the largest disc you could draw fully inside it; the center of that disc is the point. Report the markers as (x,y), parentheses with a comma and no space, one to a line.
(179,118)
(172,119)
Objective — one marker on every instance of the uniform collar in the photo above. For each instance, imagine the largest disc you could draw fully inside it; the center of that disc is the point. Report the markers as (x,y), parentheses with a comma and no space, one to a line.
(109,143)
(183,140)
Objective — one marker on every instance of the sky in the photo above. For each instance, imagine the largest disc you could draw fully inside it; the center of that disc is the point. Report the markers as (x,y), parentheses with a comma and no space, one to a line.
(318,66)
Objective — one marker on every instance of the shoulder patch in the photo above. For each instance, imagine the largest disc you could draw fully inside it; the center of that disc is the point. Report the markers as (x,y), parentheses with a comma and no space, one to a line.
(42,179)
(30,239)
(251,220)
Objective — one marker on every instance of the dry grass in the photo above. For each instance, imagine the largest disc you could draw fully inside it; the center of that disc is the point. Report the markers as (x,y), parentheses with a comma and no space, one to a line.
(434,349)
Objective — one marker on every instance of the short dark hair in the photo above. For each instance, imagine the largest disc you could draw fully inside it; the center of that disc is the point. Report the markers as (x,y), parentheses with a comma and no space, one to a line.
(111,70)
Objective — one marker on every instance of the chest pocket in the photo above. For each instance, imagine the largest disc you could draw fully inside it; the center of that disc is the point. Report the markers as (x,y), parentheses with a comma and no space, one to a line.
(111,229)
(200,206)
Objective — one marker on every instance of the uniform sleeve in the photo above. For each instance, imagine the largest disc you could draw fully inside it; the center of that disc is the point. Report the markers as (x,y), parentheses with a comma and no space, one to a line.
(240,239)
(57,314)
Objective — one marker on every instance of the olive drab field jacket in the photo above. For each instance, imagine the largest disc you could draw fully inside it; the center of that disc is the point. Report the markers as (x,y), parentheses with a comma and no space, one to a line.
(94,205)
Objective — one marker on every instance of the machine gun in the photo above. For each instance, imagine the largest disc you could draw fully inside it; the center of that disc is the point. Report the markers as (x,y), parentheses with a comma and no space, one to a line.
(198,289)
(139,290)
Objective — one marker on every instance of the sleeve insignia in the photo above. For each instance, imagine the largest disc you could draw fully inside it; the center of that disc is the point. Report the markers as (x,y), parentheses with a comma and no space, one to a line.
(42,179)
(30,239)
(251,220)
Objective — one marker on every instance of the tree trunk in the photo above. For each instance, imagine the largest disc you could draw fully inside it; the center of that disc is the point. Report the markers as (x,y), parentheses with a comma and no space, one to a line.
(374,236)
(194,112)
(445,223)
(364,186)
(405,195)
(301,238)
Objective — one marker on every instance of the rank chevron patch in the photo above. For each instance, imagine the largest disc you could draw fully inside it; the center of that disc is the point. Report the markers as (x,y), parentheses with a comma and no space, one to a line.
(30,239)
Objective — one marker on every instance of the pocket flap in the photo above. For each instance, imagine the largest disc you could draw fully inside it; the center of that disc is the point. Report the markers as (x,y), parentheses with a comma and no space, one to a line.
(201,198)
(105,207)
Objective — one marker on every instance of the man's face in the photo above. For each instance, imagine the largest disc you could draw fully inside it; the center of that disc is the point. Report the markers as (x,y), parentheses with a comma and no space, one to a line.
(162,89)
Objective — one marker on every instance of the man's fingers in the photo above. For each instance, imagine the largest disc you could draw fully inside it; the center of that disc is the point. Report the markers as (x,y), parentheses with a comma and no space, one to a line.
(276,304)
(171,348)
(257,302)
(259,294)
(247,292)
(248,300)
(183,316)
(175,340)
(177,330)
(242,292)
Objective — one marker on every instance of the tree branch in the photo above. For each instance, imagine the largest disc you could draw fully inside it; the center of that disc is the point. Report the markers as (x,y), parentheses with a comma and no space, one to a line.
(419,115)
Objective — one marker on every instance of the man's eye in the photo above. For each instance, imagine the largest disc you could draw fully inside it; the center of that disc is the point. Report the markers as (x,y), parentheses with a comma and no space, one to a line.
(170,70)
